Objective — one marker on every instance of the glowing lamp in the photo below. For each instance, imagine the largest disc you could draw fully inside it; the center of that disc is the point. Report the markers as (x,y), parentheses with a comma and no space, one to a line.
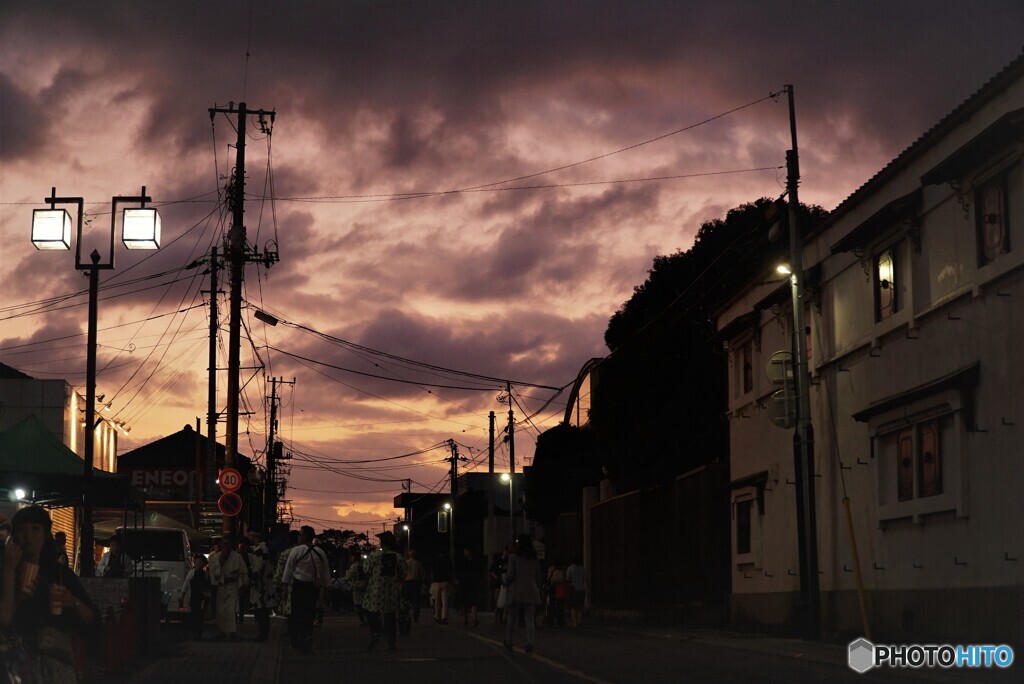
(19,494)
(141,228)
(505,477)
(783,269)
(447,507)
(51,229)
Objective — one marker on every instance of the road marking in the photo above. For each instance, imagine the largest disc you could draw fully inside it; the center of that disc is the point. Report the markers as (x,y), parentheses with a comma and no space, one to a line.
(546,661)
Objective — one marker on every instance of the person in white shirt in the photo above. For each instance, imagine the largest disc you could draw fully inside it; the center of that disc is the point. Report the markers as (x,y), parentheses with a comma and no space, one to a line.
(307,570)
(227,573)
(115,562)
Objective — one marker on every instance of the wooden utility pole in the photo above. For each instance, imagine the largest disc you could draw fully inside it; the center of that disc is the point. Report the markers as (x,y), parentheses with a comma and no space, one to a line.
(237,258)
(211,402)
(490,444)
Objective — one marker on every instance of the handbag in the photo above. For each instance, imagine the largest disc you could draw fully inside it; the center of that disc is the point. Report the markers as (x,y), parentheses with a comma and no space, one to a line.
(502,597)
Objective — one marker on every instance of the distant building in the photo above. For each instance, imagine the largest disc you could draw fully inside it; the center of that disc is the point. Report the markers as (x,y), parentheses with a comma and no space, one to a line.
(915,391)
(178,479)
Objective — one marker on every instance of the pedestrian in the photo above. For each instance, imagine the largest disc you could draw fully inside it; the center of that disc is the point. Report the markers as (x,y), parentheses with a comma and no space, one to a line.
(115,562)
(441,586)
(243,590)
(383,600)
(60,541)
(469,588)
(42,601)
(261,585)
(194,592)
(412,588)
(498,588)
(523,580)
(228,573)
(283,589)
(576,576)
(557,591)
(357,578)
(307,570)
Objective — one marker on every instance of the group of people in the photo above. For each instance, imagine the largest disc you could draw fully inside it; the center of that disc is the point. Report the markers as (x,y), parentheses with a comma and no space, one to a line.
(43,606)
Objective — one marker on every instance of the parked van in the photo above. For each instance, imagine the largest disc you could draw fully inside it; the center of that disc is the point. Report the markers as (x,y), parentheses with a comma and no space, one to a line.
(162,552)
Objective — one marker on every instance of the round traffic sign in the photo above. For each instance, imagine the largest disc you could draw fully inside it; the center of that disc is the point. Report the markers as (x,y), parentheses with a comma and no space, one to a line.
(230,480)
(230,504)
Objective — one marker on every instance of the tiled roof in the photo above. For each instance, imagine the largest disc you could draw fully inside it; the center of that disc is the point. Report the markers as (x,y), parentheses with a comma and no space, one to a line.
(990,89)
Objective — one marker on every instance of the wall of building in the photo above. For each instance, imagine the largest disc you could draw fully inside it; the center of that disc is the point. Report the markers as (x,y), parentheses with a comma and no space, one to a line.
(936,565)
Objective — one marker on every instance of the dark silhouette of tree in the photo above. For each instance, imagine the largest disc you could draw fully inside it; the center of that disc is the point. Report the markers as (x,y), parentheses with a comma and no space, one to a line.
(657,410)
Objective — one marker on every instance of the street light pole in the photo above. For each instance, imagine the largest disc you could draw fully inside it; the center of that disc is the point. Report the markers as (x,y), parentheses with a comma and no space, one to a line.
(51,230)
(803,438)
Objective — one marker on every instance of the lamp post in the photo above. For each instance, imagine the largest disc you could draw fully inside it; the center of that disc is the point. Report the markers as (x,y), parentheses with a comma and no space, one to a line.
(506,477)
(451,531)
(51,230)
(408,537)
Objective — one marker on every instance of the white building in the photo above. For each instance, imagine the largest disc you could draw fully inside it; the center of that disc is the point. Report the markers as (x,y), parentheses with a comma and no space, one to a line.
(917,397)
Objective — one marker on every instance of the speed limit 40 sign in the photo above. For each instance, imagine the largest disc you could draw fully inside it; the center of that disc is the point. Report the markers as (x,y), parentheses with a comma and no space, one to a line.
(230,480)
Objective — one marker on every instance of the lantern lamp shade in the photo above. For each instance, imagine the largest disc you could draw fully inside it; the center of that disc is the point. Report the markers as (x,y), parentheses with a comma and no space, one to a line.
(141,228)
(51,229)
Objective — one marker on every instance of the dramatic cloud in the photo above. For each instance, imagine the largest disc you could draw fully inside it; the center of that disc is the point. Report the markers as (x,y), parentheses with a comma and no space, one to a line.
(460,183)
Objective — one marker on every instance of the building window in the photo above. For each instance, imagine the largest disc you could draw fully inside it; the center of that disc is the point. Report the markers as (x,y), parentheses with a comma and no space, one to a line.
(748,367)
(992,220)
(744,519)
(919,459)
(886,303)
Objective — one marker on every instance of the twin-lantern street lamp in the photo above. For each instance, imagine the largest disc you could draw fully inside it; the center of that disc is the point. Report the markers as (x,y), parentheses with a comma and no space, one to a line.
(51,230)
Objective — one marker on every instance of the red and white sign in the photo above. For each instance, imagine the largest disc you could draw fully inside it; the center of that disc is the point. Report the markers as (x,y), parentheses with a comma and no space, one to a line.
(230,480)
(230,504)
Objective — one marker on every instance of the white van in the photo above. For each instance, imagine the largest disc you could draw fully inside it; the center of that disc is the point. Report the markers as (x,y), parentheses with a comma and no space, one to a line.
(162,552)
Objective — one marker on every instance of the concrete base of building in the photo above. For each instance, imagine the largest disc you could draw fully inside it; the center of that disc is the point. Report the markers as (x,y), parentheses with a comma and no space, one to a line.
(974,615)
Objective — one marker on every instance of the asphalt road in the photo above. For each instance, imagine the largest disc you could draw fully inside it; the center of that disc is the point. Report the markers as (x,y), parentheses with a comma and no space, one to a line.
(595,653)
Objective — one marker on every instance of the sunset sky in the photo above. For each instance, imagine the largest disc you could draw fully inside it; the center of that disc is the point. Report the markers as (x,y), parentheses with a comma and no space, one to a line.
(535,111)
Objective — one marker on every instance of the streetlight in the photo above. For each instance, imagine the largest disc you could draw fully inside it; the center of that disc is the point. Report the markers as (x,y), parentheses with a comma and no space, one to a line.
(506,477)
(51,230)
(450,512)
(408,537)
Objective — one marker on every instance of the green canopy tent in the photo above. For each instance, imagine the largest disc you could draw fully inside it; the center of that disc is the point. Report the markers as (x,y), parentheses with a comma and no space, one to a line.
(34,460)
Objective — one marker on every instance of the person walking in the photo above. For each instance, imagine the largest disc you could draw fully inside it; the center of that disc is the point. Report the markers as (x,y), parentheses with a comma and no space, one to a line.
(261,585)
(356,576)
(193,594)
(557,592)
(412,588)
(441,587)
(386,570)
(500,591)
(523,580)
(307,569)
(228,573)
(576,577)
(469,588)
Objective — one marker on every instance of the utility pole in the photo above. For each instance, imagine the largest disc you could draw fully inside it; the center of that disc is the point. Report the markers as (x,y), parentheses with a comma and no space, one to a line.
(274,453)
(269,498)
(455,491)
(237,258)
(211,402)
(511,461)
(803,438)
(490,444)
